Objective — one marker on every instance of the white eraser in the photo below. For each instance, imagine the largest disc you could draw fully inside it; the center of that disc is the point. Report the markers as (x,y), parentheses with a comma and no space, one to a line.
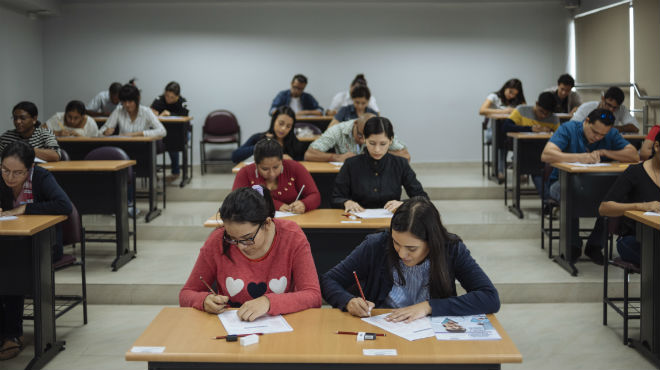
(249,340)
(360,336)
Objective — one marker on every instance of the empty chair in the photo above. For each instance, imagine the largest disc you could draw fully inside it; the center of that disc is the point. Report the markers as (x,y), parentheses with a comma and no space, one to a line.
(73,233)
(220,127)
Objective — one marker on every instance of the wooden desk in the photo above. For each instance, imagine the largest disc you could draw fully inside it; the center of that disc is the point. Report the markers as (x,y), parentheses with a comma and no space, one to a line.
(140,148)
(582,190)
(26,268)
(330,239)
(179,128)
(323,173)
(313,344)
(648,235)
(100,187)
(527,149)
(321,122)
(308,139)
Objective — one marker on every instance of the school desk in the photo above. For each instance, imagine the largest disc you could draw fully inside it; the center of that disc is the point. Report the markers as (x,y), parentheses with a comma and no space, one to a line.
(331,235)
(323,174)
(140,148)
(648,235)
(321,122)
(100,187)
(582,190)
(178,128)
(496,121)
(185,334)
(26,268)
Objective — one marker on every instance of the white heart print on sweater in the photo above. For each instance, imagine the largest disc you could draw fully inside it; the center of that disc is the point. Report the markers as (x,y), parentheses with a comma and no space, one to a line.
(233,286)
(277,286)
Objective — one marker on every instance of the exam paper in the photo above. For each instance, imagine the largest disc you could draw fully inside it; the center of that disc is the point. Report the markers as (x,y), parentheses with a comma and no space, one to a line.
(651,213)
(265,324)
(8,218)
(338,164)
(418,329)
(374,213)
(279,214)
(475,327)
(578,164)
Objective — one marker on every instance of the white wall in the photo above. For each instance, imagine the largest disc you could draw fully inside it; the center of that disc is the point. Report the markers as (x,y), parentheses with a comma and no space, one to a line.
(430,66)
(21,63)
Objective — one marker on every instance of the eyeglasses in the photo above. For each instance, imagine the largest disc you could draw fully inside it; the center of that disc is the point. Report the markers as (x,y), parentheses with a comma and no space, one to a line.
(246,241)
(9,173)
(610,106)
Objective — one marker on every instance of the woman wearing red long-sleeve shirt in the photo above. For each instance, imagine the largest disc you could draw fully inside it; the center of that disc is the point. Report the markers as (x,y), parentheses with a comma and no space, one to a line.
(283,177)
(261,264)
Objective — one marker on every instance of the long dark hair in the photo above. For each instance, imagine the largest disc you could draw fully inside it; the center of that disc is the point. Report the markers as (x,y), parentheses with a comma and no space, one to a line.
(291,143)
(513,83)
(247,205)
(419,217)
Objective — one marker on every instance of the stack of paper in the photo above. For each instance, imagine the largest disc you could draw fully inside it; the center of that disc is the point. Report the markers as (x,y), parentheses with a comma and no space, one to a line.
(417,329)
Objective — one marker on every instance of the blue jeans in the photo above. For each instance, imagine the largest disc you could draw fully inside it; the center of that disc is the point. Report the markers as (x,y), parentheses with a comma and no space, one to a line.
(629,249)
(174,160)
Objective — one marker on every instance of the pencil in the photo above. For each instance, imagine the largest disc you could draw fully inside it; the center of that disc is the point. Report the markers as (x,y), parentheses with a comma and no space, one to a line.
(208,286)
(359,286)
(300,193)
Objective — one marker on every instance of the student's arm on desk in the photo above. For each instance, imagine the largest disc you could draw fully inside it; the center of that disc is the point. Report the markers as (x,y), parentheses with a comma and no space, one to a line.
(54,199)
(627,154)
(314,155)
(194,293)
(485,109)
(615,209)
(628,127)
(552,154)
(48,155)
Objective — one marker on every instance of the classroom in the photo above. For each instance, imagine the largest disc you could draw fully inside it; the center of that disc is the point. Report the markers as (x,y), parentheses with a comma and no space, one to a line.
(429,64)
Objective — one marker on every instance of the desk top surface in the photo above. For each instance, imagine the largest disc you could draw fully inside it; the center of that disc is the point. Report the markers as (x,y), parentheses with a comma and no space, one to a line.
(639,216)
(611,167)
(103,139)
(28,225)
(530,135)
(312,167)
(322,219)
(313,118)
(83,166)
(186,335)
(308,139)
(172,119)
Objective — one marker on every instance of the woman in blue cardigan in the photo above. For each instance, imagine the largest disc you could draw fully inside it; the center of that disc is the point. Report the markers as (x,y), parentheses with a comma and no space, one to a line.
(25,189)
(412,268)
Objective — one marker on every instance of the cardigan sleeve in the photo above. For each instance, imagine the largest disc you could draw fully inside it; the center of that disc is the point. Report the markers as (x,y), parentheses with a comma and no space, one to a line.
(311,196)
(410,183)
(242,179)
(156,128)
(341,192)
(481,296)
(194,292)
(247,149)
(49,198)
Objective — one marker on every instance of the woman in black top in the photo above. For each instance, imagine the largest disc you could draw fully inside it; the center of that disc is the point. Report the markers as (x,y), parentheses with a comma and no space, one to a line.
(25,189)
(171,103)
(373,179)
(637,189)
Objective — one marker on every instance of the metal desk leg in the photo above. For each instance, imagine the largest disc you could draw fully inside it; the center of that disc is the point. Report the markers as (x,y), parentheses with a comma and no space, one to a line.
(566,214)
(515,197)
(153,206)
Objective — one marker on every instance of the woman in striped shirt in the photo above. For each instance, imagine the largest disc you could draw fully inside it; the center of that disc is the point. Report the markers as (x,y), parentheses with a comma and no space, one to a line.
(412,268)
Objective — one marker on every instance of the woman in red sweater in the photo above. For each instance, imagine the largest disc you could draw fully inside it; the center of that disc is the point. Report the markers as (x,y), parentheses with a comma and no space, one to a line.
(283,177)
(260,264)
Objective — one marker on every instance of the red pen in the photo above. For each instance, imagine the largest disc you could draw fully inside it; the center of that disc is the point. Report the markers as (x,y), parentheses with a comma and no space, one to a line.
(235,335)
(208,286)
(350,214)
(354,333)
(360,288)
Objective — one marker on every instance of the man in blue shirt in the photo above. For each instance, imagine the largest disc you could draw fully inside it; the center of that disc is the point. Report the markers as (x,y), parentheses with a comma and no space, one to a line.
(587,142)
(301,102)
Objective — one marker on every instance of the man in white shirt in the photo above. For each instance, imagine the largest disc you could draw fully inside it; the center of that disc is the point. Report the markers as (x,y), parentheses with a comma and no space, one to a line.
(104,102)
(624,121)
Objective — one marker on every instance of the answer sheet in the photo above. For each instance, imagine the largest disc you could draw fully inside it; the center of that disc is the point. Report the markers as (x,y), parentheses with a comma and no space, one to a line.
(374,213)
(418,329)
(265,324)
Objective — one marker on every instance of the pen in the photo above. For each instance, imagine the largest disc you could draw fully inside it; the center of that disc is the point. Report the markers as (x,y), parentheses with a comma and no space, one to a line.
(208,286)
(354,333)
(360,288)
(300,193)
(235,335)
(349,215)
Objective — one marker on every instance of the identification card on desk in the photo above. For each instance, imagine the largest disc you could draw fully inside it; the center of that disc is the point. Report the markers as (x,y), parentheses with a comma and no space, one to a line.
(379,352)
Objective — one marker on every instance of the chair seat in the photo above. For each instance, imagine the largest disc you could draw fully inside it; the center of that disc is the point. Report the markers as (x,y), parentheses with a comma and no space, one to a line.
(219,139)
(626,265)
(66,260)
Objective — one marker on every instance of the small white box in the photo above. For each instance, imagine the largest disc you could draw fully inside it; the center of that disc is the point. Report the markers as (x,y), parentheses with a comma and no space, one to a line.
(249,340)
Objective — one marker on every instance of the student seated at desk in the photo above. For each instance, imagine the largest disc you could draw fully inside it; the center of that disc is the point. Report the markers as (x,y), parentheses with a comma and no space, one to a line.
(586,142)
(503,101)
(31,131)
(637,189)
(612,100)
(360,95)
(261,264)
(74,121)
(301,102)
(413,269)
(343,98)
(171,103)
(374,179)
(568,101)
(528,118)
(31,190)
(347,139)
(284,178)
(105,102)
(133,119)
(281,129)
(647,145)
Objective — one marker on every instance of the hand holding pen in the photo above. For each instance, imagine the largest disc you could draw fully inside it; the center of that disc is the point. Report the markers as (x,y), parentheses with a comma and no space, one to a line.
(214,303)
(359,306)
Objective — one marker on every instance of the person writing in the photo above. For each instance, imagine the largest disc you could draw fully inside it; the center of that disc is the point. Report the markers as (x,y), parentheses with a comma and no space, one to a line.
(261,264)
(637,189)
(411,268)
(360,95)
(290,184)
(27,128)
(132,118)
(302,103)
(343,98)
(25,189)
(374,179)
(74,121)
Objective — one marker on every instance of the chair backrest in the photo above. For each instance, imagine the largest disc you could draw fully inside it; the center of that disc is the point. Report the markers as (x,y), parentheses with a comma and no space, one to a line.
(64,155)
(309,126)
(109,153)
(72,228)
(221,122)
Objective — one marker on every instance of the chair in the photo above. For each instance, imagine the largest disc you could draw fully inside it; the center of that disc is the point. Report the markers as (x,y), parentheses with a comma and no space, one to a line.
(160,149)
(64,156)
(548,207)
(485,149)
(73,233)
(306,126)
(115,153)
(628,304)
(220,127)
